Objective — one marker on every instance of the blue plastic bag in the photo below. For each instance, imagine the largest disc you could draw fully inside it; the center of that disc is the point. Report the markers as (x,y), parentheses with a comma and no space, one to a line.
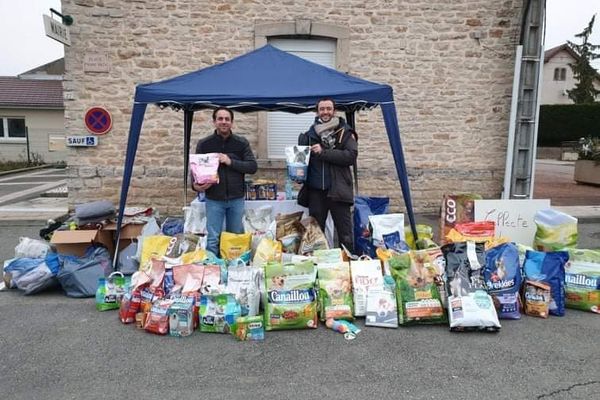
(79,275)
(363,207)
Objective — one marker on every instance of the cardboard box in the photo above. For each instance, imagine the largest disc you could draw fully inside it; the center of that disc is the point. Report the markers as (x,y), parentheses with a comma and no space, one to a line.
(129,233)
(76,242)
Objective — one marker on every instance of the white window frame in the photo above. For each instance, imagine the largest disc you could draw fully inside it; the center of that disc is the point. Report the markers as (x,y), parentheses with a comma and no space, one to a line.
(4,136)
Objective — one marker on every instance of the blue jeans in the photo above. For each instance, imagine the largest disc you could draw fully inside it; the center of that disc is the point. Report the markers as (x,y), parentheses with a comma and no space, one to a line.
(217,211)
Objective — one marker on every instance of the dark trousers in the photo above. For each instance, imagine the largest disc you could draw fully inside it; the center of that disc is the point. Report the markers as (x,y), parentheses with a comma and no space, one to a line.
(318,207)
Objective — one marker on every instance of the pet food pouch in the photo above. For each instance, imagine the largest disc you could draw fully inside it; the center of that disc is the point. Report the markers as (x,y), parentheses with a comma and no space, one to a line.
(218,312)
(297,158)
(470,307)
(456,208)
(384,224)
(555,230)
(582,280)
(205,168)
(110,291)
(243,283)
(365,273)
(418,279)
(502,274)
(382,308)
(157,320)
(537,298)
(335,291)
(249,328)
(549,268)
(363,208)
(291,300)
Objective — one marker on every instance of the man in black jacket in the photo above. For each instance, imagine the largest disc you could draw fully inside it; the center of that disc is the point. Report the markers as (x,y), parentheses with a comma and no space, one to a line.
(225,200)
(334,149)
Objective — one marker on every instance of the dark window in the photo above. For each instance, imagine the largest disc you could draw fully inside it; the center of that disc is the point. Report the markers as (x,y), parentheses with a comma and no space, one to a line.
(16,127)
(563,74)
(1,127)
(556,74)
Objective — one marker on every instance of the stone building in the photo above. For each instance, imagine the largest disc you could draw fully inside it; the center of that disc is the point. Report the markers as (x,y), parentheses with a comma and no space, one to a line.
(450,64)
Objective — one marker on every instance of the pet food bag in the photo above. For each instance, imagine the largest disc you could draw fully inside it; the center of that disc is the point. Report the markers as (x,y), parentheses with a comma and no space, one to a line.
(243,283)
(257,222)
(130,306)
(456,208)
(289,231)
(582,280)
(110,291)
(549,268)
(363,208)
(313,237)
(181,316)
(384,224)
(382,308)
(555,230)
(205,168)
(297,158)
(268,250)
(195,219)
(335,291)
(425,233)
(218,312)
(249,328)
(157,320)
(365,274)
(536,298)
(470,307)
(418,275)
(502,274)
(291,299)
(233,245)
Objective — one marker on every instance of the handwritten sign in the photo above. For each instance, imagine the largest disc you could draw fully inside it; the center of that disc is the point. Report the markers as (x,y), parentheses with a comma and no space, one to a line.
(513,218)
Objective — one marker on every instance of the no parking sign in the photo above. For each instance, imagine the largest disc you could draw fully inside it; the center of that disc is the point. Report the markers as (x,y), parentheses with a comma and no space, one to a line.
(98,120)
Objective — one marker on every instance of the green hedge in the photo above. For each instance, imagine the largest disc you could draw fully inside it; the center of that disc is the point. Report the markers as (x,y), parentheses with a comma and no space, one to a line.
(567,122)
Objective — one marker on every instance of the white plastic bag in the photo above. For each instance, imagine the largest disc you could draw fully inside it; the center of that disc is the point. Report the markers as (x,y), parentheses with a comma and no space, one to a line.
(150,229)
(31,248)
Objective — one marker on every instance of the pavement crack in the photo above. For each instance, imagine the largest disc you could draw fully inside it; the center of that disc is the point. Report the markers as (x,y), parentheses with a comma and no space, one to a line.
(546,395)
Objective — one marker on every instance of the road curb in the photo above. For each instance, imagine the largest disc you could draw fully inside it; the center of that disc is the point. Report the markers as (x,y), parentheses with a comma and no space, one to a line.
(16,171)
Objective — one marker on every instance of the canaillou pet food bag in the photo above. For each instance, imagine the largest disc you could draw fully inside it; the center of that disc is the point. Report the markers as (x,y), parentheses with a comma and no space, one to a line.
(582,280)
(291,299)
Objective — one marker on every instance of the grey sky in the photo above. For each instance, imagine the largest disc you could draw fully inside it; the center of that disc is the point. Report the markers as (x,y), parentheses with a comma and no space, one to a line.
(24,45)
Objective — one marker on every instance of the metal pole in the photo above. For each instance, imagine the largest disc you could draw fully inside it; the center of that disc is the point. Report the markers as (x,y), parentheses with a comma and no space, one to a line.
(27,141)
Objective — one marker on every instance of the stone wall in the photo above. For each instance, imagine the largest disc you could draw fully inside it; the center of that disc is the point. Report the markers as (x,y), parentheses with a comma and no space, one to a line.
(450,64)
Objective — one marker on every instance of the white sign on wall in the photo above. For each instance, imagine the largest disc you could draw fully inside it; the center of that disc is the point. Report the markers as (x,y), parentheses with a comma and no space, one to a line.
(96,62)
(56,30)
(82,141)
(513,218)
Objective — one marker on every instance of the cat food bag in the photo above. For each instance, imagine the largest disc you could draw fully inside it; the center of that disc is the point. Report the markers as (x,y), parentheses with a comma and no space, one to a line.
(218,312)
(211,279)
(549,268)
(257,222)
(456,208)
(418,275)
(249,328)
(335,291)
(289,231)
(205,168)
(363,208)
(365,273)
(470,307)
(297,158)
(157,321)
(502,274)
(181,316)
(291,299)
(243,283)
(582,280)
(382,308)
(268,250)
(130,306)
(536,298)
(384,224)
(555,230)
(233,245)
(313,237)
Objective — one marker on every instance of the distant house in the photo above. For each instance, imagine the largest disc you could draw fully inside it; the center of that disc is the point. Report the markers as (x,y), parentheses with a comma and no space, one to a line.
(558,77)
(31,105)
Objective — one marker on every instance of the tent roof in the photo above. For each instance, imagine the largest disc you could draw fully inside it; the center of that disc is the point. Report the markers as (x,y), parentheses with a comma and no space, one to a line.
(264,79)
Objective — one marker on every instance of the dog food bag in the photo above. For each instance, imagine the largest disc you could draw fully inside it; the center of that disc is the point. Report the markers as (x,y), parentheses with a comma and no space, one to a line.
(384,224)
(363,208)
(218,312)
(243,283)
(157,320)
(418,279)
(181,316)
(205,168)
(365,273)
(382,308)
(289,231)
(456,208)
(291,299)
(582,280)
(297,158)
(536,298)
(549,267)
(313,237)
(555,230)
(249,328)
(502,274)
(470,307)
(335,291)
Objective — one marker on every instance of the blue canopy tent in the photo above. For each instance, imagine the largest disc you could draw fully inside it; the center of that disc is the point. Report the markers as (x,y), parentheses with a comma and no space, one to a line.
(266,79)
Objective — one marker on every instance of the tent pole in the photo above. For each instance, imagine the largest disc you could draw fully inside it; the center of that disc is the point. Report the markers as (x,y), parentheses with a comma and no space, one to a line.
(188,116)
(350,119)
